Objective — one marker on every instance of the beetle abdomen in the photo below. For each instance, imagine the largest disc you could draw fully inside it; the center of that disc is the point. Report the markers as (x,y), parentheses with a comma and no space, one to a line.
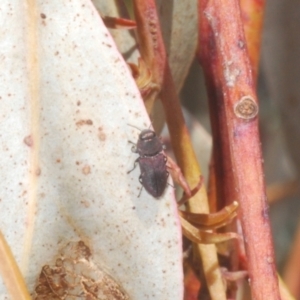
(154,175)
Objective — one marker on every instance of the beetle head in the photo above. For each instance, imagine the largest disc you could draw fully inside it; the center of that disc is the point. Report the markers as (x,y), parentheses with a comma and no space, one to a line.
(148,144)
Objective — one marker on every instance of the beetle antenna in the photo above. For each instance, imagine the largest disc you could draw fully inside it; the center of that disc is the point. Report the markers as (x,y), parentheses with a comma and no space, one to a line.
(151,121)
(134,127)
(140,192)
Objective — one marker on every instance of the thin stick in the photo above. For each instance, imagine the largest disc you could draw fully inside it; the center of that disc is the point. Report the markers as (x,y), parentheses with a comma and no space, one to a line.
(154,54)
(223,54)
(11,274)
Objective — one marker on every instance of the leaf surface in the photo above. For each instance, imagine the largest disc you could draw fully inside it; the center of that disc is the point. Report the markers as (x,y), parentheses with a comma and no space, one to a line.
(67,98)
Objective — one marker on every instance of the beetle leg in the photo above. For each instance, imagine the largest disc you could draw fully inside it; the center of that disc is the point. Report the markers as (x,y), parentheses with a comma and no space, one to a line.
(140,192)
(141,181)
(134,166)
(133,148)
(171,185)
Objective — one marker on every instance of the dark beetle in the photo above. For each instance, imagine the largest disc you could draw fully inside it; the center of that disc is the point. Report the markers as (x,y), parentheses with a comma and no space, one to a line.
(152,161)
(148,144)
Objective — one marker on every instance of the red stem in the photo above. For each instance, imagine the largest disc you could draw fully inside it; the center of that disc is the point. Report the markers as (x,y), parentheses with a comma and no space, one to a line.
(233,104)
(252,16)
(291,274)
(154,55)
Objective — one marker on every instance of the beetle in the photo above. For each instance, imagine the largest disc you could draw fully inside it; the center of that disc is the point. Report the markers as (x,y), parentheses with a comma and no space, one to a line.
(152,162)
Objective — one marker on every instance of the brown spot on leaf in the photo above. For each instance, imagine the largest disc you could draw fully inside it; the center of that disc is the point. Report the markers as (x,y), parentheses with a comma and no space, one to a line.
(38,172)
(86,170)
(85,203)
(43,16)
(101,134)
(84,122)
(28,141)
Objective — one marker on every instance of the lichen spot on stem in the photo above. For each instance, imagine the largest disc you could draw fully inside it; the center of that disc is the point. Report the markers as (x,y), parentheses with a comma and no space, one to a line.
(246,108)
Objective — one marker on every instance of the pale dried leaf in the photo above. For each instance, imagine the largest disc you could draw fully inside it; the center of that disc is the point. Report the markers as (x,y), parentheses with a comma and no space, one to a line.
(67,98)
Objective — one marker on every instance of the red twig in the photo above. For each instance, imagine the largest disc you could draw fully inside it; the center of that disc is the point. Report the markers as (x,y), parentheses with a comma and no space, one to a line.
(151,45)
(291,274)
(154,55)
(252,16)
(233,105)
